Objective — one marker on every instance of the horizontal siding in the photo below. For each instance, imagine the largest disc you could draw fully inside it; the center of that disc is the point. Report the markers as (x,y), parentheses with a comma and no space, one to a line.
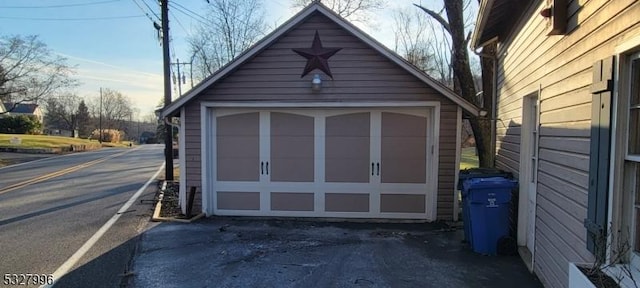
(359,74)
(560,67)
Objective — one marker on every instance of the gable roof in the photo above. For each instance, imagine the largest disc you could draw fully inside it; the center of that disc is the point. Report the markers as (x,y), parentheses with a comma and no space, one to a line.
(495,19)
(317,7)
(21,108)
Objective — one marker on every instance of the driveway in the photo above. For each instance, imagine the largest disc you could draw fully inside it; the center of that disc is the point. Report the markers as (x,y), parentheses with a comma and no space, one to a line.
(224,252)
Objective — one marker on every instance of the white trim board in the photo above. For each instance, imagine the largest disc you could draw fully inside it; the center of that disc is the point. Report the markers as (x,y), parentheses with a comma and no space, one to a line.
(267,104)
(456,208)
(182,198)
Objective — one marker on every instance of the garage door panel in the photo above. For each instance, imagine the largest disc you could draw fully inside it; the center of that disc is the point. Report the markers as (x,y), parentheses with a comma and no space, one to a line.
(347,170)
(402,203)
(351,124)
(238,200)
(403,148)
(238,124)
(292,169)
(347,148)
(292,147)
(238,169)
(402,125)
(292,201)
(238,147)
(346,202)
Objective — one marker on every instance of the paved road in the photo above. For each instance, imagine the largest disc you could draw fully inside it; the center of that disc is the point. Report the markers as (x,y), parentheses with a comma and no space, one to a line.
(49,208)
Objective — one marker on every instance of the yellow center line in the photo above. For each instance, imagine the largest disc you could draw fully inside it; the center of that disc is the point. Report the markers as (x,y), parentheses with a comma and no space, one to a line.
(60,172)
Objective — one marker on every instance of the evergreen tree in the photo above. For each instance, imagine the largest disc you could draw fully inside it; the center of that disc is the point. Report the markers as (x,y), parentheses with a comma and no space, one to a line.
(82,118)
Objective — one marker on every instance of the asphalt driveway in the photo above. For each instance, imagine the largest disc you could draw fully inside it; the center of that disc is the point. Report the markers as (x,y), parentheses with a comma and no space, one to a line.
(227,252)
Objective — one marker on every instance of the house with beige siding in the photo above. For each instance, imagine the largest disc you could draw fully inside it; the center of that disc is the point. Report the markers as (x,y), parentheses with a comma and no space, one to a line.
(318,119)
(568,125)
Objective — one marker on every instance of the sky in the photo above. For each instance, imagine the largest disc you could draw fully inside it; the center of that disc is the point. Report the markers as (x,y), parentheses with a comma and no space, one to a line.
(113,44)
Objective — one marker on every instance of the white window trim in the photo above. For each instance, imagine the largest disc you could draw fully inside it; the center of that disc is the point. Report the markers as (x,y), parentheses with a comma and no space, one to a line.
(620,212)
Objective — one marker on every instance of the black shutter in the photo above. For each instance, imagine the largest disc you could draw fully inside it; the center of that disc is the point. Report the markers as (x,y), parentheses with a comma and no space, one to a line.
(596,222)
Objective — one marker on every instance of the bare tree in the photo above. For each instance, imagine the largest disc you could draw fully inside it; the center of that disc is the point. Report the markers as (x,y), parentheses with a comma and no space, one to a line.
(116,109)
(423,44)
(354,10)
(30,71)
(234,26)
(62,111)
(459,33)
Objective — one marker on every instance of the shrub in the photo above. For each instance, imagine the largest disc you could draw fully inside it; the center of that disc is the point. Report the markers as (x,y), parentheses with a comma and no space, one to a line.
(108,135)
(20,124)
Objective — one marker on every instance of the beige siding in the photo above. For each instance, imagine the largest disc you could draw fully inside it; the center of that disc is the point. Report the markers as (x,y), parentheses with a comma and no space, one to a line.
(359,72)
(561,67)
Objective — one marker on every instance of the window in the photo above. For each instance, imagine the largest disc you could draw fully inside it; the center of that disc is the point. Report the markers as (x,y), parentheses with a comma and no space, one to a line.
(632,157)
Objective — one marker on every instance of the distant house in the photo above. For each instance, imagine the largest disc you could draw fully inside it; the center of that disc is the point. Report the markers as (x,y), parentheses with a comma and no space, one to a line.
(29,109)
(2,108)
(568,124)
(320,120)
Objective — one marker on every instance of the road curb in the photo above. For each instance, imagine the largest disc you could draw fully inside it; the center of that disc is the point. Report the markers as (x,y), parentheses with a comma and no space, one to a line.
(156,212)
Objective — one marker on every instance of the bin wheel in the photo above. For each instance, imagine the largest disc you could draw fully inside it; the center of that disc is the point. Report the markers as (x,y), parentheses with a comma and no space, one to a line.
(507,246)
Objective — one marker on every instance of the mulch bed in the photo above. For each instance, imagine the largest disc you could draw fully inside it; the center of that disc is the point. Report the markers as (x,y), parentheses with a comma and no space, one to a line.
(170,203)
(599,278)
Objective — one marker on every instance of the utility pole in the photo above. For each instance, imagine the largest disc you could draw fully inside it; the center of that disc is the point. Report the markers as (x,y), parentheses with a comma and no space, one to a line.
(100,122)
(168,139)
(181,79)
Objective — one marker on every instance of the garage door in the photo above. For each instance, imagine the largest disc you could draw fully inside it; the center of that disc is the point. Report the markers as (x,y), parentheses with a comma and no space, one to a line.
(362,163)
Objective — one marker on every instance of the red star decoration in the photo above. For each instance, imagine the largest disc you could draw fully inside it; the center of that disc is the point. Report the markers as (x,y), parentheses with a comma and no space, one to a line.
(317,56)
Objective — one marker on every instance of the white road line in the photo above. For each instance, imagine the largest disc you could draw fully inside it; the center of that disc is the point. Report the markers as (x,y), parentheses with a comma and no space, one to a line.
(67,265)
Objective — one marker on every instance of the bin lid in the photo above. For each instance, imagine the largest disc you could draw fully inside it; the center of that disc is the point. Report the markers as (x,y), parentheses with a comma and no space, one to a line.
(492,182)
(471,173)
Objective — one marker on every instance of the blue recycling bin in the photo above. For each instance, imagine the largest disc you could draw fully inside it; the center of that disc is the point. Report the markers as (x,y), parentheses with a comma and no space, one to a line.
(473,173)
(487,204)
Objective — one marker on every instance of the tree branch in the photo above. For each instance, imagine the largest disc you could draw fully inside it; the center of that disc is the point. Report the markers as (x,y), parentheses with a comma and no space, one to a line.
(437,17)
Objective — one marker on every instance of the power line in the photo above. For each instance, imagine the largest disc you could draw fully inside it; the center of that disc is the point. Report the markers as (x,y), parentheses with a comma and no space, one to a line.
(150,9)
(190,16)
(195,16)
(145,12)
(73,19)
(179,23)
(58,6)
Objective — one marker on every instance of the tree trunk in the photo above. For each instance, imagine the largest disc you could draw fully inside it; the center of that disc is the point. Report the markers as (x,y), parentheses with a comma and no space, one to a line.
(487,62)
(481,126)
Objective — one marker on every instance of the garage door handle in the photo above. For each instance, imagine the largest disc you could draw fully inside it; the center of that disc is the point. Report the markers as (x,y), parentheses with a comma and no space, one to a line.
(261,168)
(378,169)
(372,167)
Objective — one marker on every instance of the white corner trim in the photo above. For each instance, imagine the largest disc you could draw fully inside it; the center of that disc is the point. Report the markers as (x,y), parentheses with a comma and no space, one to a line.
(204,163)
(457,166)
(435,161)
(182,162)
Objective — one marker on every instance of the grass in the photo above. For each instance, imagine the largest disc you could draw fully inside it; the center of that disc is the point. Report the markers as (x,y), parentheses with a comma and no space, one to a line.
(46,141)
(468,159)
